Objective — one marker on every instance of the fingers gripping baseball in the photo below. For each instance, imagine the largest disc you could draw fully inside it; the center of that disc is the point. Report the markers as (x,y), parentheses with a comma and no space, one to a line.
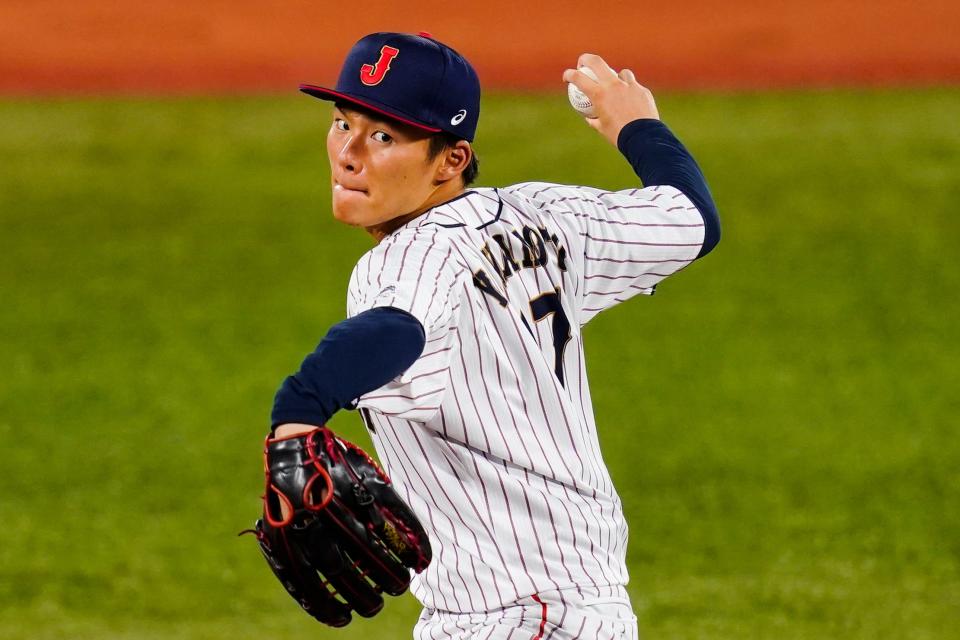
(617,98)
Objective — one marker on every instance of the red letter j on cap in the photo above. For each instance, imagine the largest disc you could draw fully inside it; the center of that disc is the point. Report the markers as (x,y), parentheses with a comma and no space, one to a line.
(371,74)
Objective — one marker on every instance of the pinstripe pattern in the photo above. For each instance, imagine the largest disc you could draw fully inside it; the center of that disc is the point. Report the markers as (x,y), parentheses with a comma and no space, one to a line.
(602,613)
(502,461)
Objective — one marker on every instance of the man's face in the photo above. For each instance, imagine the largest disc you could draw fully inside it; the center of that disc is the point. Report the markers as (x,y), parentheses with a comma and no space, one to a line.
(379,169)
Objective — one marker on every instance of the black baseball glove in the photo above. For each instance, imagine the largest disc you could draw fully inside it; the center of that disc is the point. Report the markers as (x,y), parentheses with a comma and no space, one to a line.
(343,536)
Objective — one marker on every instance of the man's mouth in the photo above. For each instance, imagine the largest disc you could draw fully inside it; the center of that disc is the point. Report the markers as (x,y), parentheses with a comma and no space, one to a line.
(351,188)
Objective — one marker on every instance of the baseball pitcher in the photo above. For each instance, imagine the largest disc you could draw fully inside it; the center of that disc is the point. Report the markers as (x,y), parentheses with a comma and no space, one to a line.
(462,351)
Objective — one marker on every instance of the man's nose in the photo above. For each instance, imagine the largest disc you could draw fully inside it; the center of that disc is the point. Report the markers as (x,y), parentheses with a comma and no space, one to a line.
(349,155)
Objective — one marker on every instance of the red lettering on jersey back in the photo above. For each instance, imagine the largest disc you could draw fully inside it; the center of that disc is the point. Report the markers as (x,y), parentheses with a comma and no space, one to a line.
(371,74)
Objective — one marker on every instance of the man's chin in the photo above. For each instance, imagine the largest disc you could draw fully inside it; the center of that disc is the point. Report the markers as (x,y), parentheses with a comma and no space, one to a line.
(353,216)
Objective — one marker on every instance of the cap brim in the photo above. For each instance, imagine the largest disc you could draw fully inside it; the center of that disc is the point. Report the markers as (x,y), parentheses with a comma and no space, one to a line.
(329,94)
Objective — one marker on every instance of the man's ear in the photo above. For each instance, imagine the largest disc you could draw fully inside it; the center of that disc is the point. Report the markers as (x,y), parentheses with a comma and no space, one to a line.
(454,161)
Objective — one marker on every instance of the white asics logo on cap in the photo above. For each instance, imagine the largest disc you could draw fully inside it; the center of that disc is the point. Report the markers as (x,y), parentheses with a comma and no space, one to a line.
(457,119)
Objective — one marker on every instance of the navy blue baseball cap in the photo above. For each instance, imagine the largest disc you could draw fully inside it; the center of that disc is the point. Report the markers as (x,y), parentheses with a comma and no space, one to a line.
(411,78)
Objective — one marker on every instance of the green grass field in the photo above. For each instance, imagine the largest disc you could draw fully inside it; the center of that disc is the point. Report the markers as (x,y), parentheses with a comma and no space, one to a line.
(786,447)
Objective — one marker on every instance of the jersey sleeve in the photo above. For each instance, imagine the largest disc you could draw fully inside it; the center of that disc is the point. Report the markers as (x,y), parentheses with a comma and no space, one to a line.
(622,243)
(417,271)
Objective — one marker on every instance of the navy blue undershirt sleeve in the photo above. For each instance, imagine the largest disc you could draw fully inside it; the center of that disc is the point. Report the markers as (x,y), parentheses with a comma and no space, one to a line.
(356,356)
(659,158)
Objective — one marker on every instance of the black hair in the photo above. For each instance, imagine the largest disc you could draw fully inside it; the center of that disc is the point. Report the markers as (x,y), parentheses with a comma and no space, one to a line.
(440,142)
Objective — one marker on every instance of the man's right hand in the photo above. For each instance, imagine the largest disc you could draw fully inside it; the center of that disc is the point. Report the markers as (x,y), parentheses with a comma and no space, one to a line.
(618,99)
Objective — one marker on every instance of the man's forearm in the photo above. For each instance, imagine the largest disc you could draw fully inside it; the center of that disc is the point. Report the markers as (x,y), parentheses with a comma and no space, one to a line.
(659,158)
(355,357)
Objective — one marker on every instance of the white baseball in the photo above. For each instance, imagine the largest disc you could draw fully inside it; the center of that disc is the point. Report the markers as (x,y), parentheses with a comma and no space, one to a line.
(578,99)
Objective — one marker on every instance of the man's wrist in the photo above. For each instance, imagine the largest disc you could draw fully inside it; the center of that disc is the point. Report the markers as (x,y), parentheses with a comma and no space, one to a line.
(293,429)
(638,126)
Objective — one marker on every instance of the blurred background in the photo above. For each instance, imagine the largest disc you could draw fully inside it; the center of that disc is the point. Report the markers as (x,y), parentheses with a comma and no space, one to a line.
(778,418)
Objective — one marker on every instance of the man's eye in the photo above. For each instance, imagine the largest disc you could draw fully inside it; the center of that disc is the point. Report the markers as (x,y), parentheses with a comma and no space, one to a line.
(380,136)
(341,124)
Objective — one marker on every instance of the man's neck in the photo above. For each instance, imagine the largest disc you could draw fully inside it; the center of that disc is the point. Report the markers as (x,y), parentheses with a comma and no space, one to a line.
(444,193)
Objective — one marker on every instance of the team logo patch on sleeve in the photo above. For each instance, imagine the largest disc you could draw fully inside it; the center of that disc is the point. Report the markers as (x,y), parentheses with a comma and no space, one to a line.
(373,74)
(387,293)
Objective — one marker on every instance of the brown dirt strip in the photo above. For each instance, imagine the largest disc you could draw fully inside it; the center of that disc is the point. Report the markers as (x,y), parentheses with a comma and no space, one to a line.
(217,46)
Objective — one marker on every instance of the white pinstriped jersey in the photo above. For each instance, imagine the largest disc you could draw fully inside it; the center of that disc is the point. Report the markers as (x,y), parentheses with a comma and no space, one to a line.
(490,434)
